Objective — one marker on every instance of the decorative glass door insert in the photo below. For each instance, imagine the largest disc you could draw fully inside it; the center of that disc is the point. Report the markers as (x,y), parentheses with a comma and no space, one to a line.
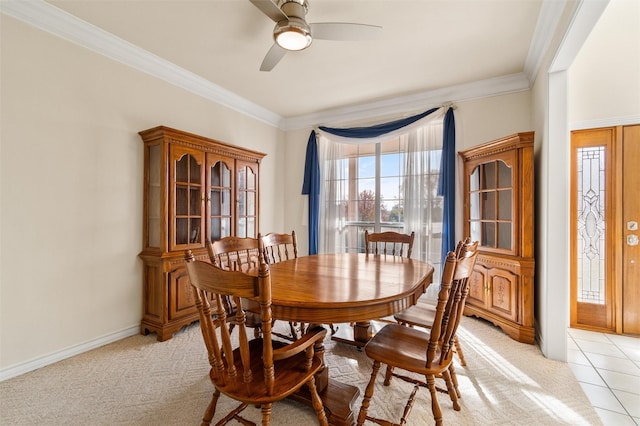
(591,225)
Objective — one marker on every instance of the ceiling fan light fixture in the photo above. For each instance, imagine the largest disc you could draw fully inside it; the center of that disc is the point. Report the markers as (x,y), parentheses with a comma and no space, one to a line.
(292,34)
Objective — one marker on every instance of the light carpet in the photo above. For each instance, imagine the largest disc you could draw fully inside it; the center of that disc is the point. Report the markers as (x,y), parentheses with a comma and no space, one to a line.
(140,381)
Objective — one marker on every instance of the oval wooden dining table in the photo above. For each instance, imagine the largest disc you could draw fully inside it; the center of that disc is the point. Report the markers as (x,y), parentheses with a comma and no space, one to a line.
(345,288)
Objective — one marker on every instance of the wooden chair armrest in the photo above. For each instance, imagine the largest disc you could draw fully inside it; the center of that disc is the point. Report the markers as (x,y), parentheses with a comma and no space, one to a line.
(307,340)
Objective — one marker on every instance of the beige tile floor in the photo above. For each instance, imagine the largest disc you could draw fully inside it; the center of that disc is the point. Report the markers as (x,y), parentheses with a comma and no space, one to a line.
(608,369)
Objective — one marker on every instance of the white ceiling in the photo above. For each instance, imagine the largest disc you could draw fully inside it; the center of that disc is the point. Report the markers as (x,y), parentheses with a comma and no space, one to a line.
(427,49)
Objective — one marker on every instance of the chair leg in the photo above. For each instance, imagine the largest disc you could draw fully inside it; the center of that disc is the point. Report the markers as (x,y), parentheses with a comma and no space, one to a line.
(454,379)
(211,409)
(292,329)
(453,394)
(435,407)
(317,403)
(266,414)
(368,393)
(409,405)
(388,375)
(459,351)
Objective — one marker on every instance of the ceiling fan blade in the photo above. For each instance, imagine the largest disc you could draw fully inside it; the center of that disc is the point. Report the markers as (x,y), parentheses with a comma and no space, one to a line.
(344,31)
(270,9)
(272,57)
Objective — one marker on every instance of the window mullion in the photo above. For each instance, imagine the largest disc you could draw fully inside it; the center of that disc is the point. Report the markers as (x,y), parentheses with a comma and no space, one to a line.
(378,200)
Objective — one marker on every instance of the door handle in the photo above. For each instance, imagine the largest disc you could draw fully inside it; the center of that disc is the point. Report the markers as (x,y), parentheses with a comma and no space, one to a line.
(632,240)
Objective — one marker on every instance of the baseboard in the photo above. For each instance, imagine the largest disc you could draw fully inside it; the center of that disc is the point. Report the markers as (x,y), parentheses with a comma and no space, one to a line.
(43,361)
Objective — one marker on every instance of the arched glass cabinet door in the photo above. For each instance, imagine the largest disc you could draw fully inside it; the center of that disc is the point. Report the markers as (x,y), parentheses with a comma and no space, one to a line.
(187,198)
(491,205)
(220,197)
(247,201)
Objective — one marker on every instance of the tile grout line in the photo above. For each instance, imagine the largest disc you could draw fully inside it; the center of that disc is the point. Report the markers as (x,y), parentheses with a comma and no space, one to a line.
(603,379)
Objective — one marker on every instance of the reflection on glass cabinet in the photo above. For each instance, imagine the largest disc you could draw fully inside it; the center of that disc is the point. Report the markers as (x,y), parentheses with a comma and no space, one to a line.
(154,197)
(246,204)
(491,205)
(188,200)
(220,201)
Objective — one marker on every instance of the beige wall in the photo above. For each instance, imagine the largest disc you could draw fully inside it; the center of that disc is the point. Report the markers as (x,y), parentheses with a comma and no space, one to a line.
(71,188)
(604,79)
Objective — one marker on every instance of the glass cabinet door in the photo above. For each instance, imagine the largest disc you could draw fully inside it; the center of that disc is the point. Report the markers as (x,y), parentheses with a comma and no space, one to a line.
(491,205)
(153,200)
(220,197)
(187,200)
(247,203)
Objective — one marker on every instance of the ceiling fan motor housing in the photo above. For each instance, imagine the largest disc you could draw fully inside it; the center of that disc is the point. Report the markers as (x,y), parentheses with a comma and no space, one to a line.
(295,27)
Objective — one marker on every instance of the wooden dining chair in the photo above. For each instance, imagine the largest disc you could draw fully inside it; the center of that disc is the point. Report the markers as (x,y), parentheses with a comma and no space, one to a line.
(238,254)
(428,354)
(277,248)
(234,253)
(388,243)
(259,371)
(422,315)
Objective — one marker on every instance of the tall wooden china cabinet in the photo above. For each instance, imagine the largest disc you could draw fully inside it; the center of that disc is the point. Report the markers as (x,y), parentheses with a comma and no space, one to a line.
(195,189)
(499,213)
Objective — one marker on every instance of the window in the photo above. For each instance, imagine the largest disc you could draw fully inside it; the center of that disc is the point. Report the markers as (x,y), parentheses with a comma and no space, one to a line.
(383,186)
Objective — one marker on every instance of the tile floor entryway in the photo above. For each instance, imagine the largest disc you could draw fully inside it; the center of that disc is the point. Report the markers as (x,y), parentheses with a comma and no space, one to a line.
(608,369)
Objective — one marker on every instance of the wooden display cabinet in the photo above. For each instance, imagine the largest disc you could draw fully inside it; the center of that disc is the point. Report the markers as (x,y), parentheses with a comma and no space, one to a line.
(499,214)
(195,189)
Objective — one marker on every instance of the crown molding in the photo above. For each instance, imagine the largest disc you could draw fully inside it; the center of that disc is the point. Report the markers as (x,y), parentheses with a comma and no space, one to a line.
(546,26)
(584,19)
(419,101)
(53,20)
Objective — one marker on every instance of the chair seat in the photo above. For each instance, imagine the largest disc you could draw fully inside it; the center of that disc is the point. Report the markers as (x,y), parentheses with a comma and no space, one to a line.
(417,315)
(287,372)
(403,347)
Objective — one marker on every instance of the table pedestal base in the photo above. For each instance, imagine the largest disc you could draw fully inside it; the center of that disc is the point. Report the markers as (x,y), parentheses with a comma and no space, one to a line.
(359,334)
(338,399)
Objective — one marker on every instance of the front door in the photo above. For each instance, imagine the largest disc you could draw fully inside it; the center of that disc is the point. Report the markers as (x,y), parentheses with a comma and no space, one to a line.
(605,212)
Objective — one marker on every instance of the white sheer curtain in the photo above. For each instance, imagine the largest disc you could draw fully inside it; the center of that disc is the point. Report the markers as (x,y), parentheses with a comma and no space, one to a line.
(333,172)
(422,208)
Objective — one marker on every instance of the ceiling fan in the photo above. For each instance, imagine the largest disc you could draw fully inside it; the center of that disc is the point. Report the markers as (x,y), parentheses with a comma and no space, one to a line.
(293,33)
